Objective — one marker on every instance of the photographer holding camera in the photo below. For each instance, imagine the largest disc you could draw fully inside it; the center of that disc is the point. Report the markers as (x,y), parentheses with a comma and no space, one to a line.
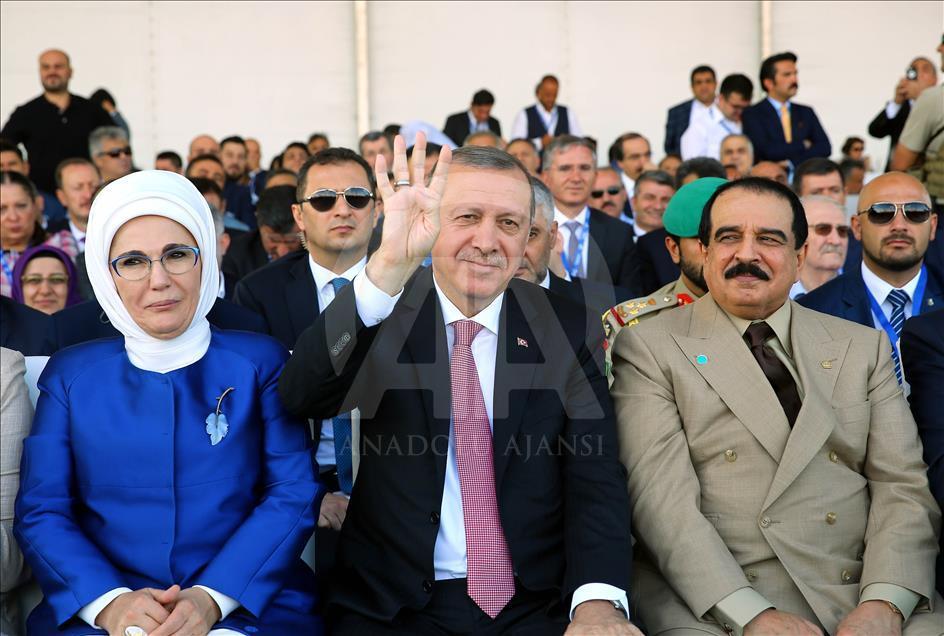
(920,75)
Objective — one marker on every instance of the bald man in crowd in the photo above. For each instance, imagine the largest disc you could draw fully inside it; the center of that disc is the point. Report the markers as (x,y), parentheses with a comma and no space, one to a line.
(57,124)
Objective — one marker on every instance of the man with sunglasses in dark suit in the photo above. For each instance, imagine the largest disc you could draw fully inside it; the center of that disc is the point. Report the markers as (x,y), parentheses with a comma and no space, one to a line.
(336,213)
(609,195)
(895,225)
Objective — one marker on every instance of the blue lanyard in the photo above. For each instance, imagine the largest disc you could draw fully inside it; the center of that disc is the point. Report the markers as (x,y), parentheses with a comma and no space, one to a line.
(915,308)
(574,268)
(7,269)
(726,127)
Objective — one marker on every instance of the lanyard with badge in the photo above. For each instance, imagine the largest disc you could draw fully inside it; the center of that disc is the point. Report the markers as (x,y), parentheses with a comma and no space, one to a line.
(574,268)
(915,308)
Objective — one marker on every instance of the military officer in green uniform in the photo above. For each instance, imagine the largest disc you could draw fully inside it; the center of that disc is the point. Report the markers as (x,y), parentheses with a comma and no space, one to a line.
(681,220)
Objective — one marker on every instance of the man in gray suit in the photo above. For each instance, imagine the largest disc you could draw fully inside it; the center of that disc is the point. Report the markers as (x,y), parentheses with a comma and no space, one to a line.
(773,463)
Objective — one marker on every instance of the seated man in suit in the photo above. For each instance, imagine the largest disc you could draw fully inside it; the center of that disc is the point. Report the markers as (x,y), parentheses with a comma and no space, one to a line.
(891,119)
(458,532)
(922,357)
(275,236)
(542,264)
(774,467)
(477,119)
(895,225)
(596,246)
(703,82)
(290,292)
(781,130)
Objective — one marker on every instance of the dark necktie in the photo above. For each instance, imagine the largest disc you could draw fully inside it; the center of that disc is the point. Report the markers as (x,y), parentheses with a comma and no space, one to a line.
(898,298)
(342,428)
(776,371)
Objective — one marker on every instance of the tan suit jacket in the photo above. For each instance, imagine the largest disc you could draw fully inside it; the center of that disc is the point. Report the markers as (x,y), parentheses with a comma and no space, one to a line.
(16,416)
(726,496)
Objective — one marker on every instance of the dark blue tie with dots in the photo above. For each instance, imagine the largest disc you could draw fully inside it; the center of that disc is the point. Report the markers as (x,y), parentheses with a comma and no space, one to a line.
(342,428)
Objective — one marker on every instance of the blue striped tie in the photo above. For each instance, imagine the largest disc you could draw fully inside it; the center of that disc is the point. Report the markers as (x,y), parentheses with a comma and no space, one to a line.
(342,428)
(897,298)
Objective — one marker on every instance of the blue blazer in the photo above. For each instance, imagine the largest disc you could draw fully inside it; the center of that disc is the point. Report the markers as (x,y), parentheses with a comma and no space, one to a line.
(922,354)
(121,487)
(675,126)
(845,297)
(762,125)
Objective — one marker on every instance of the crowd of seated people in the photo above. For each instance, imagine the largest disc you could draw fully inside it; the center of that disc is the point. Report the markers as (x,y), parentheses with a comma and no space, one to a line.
(457,382)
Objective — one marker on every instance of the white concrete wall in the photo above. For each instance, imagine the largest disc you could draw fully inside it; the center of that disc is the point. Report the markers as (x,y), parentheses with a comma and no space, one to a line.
(281,70)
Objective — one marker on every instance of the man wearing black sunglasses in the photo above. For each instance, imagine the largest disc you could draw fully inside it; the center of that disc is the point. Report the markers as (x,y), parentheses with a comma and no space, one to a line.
(111,152)
(895,225)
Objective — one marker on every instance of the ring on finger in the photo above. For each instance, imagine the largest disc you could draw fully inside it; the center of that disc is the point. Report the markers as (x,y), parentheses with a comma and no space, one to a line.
(402,182)
(134,630)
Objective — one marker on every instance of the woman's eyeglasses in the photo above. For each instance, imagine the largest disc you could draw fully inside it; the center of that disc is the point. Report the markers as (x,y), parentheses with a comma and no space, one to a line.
(884,213)
(54,280)
(137,266)
(324,199)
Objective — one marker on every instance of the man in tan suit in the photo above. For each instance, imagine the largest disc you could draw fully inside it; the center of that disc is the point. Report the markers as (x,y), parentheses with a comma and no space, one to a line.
(774,466)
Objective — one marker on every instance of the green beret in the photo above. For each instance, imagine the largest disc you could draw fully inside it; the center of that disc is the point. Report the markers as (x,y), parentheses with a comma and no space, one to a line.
(683,214)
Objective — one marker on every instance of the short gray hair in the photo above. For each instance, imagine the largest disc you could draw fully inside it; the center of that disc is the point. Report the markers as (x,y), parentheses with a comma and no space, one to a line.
(543,200)
(562,143)
(750,146)
(100,134)
(487,158)
(819,198)
(499,143)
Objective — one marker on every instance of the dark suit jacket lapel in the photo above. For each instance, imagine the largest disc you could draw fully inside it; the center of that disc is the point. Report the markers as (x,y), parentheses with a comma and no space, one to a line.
(418,321)
(855,301)
(520,333)
(933,294)
(599,247)
(301,296)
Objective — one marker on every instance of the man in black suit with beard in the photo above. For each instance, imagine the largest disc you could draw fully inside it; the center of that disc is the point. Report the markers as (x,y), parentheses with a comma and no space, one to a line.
(477,505)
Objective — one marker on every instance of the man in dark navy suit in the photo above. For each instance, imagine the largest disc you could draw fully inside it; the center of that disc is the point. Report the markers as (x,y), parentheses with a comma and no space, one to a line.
(895,226)
(23,329)
(780,129)
(476,119)
(922,354)
(680,116)
(451,530)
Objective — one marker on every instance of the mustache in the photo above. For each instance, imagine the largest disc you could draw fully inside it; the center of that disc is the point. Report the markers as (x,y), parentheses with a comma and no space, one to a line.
(830,249)
(475,255)
(749,269)
(898,237)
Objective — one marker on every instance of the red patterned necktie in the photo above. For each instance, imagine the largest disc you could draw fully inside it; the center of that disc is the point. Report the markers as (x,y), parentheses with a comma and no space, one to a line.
(490,575)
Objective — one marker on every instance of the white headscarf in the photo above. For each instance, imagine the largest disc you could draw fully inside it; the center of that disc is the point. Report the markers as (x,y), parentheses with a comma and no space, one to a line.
(153,193)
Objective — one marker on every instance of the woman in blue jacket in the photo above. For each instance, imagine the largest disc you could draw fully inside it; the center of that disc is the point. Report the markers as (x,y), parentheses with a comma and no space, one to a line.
(164,488)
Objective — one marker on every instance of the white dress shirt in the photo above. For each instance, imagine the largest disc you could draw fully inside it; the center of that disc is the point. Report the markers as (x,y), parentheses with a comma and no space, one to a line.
(476,125)
(519,129)
(581,218)
(637,232)
(78,235)
(704,136)
(449,553)
(701,111)
(628,184)
(797,290)
(892,108)
(323,277)
(880,290)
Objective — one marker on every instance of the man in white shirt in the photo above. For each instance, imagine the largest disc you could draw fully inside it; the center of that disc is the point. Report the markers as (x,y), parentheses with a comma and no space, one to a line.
(545,119)
(704,135)
(450,531)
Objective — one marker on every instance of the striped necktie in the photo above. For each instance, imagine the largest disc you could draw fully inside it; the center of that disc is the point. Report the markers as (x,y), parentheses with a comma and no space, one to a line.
(897,298)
